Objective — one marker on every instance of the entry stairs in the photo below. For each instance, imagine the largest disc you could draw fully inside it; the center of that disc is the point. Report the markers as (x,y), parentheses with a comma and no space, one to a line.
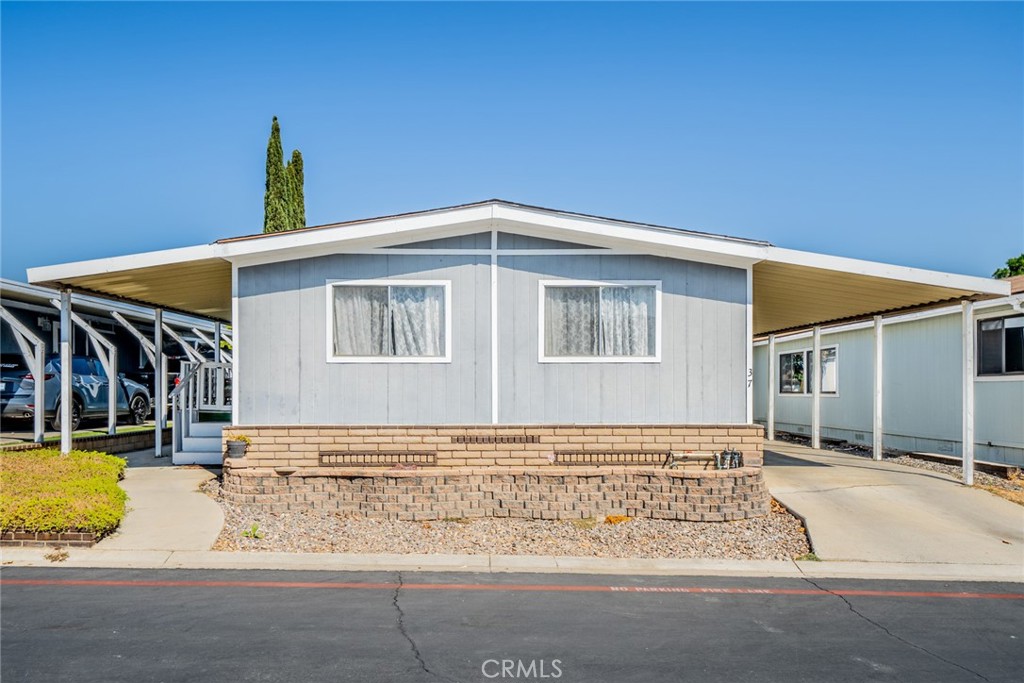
(200,409)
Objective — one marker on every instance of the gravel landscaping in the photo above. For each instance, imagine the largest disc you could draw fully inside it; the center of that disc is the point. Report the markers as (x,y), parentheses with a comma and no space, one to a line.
(778,535)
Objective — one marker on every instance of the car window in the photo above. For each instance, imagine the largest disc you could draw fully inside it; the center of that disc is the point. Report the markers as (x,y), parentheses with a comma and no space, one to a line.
(81,366)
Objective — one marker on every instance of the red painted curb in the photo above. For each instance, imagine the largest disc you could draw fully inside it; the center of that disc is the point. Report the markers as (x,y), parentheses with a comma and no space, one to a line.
(509,588)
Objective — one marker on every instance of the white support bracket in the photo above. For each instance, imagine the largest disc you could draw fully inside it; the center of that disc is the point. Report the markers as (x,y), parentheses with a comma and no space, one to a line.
(147,346)
(33,348)
(107,353)
(192,354)
(212,344)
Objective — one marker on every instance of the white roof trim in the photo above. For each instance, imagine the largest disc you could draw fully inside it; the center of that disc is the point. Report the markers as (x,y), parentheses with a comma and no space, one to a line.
(887,271)
(498,215)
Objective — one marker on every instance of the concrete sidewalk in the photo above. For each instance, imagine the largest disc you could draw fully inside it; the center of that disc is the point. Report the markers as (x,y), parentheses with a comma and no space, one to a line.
(534,564)
(166,510)
(861,510)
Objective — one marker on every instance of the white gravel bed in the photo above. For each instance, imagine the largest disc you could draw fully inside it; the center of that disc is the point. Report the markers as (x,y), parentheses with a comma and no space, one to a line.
(776,536)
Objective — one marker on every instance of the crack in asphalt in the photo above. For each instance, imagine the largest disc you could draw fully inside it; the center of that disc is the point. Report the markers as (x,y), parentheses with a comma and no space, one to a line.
(888,632)
(400,621)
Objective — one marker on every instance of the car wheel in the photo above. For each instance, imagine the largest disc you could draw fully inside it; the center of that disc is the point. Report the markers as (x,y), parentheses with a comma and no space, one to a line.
(76,416)
(138,409)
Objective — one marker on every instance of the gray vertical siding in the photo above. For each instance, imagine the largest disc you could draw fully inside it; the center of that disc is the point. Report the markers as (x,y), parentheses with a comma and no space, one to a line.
(700,378)
(284,376)
(922,389)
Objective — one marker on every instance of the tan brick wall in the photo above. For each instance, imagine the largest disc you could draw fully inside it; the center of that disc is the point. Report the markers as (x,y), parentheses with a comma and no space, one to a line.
(553,493)
(299,446)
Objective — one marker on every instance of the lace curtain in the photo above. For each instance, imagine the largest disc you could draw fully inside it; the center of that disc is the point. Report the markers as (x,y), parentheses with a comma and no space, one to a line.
(388,321)
(599,321)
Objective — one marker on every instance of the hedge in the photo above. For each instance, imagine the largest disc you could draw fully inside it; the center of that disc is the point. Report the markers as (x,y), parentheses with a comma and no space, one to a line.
(42,490)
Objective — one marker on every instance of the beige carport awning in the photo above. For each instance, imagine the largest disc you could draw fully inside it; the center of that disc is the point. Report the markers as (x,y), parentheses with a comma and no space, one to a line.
(791,289)
(196,287)
(791,297)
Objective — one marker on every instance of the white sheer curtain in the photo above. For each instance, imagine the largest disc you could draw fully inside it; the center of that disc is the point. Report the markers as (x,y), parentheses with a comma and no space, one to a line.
(417,319)
(627,321)
(571,321)
(388,321)
(361,321)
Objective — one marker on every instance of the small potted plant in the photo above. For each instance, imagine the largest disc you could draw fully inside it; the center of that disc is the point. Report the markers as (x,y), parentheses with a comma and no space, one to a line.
(237,445)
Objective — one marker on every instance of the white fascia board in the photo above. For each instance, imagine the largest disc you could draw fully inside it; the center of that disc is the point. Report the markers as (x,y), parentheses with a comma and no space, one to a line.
(637,238)
(843,264)
(117,264)
(383,232)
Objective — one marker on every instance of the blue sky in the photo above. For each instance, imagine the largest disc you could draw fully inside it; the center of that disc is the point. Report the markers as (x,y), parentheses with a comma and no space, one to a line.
(874,130)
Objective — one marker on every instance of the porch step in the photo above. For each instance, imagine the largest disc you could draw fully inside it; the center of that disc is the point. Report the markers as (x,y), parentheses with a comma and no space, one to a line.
(201,444)
(206,428)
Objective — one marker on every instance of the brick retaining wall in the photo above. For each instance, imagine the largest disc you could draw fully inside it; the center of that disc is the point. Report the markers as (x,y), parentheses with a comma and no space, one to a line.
(553,493)
(75,539)
(104,443)
(420,472)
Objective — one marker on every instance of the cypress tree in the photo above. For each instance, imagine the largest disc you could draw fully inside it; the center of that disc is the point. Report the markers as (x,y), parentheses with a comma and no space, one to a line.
(296,193)
(275,210)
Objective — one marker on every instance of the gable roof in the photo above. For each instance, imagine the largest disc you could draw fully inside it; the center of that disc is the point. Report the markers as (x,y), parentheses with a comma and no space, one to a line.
(791,289)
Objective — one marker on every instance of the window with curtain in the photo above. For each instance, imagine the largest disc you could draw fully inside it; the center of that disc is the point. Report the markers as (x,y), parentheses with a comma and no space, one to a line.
(797,374)
(1001,346)
(389,321)
(600,321)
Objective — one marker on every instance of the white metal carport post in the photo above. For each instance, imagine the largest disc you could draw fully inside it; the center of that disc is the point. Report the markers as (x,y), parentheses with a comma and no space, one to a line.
(967,310)
(35,357)
(813,375)
(160,382)
(877,427)
(65,370)
(772,380)
(107,354)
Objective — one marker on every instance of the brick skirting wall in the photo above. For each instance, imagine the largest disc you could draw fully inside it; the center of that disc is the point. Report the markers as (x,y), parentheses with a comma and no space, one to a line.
(532,472)
(497,445)
(75,539)
(104,443)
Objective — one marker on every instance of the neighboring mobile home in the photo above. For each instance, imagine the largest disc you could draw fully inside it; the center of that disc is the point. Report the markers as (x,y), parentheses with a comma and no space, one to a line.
(923,381)
(502,359)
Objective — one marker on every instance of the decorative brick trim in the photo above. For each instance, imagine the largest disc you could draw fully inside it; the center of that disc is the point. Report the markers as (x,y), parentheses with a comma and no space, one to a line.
(531,438)
(75,539)
(584,458)
(375,459)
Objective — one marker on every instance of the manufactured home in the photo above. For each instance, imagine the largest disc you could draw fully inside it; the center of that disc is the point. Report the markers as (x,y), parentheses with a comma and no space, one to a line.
(498,359)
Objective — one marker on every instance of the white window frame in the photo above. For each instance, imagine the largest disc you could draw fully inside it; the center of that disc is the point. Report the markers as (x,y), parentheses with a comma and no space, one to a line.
(1001,377)
(806,351)
(542,356)
(446,357)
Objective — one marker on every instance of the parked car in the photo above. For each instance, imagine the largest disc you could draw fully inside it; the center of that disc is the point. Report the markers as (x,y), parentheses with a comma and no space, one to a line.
(12,371)
(90,389)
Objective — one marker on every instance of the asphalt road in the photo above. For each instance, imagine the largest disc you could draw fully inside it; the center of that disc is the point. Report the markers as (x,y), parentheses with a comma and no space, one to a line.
(185,625)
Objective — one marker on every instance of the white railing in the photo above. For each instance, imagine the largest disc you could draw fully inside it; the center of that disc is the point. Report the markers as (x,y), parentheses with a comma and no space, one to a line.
(203,387)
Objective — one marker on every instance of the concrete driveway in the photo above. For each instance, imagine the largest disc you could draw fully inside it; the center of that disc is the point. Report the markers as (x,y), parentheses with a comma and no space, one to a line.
(861,510)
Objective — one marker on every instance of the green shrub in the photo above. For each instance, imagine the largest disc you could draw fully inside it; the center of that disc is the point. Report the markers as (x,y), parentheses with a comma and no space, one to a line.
(42,490)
